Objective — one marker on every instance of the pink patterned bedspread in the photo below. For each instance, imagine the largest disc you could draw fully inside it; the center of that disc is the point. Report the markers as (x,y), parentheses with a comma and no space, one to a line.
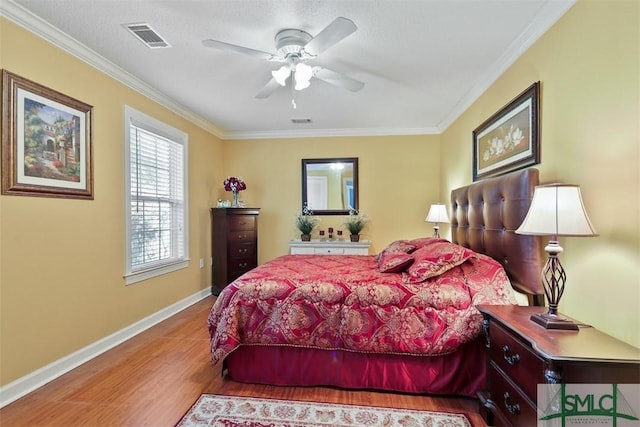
(344,302)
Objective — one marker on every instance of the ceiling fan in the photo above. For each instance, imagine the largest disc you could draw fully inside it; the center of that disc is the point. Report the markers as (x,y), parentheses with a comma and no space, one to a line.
(294,48)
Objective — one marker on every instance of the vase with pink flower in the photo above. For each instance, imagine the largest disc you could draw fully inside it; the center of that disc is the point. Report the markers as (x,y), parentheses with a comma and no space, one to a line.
(235,185)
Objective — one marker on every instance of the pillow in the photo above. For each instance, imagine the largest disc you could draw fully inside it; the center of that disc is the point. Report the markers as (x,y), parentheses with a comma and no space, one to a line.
(402,246)
(394,262)
(434,258)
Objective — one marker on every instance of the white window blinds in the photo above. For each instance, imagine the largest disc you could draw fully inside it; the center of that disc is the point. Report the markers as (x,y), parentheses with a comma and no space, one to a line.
(156,202)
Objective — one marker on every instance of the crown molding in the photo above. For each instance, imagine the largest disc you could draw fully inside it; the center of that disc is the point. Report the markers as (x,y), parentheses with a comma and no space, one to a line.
(549,14)
(36,25)
(315,133)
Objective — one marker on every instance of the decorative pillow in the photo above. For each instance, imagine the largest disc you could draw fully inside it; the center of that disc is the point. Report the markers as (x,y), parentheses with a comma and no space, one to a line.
(394,262)
(398,246)
(402,246)
(434,258)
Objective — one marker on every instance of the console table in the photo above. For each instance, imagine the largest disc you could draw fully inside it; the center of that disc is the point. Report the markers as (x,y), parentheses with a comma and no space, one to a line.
(329,247)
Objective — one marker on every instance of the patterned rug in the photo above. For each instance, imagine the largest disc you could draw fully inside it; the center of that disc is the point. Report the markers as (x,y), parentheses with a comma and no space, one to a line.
(238,411)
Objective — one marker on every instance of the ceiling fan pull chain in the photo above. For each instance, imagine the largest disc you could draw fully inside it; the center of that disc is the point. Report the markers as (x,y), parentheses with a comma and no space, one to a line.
(293,92)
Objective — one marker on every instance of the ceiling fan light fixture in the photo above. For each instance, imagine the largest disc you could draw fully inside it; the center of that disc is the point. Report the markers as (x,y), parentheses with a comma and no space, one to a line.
(281,75)
(303,74)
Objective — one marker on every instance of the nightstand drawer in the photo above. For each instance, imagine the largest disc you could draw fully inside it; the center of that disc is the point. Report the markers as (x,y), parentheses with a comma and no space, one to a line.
(510,401)
(518,361)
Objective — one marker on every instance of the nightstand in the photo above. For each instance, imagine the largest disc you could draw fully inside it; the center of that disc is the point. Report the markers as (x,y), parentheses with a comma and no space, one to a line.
(329,247)
(521,354)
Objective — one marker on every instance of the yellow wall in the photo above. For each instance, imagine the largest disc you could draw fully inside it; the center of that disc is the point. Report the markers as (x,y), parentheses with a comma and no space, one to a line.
(398,180)
(588,65)
(62,260)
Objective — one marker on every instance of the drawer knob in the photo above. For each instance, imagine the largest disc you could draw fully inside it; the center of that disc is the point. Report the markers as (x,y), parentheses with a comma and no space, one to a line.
(511,360)
(513,409)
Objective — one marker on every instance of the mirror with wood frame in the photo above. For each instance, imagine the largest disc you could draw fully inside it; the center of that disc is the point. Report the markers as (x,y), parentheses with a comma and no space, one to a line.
(330,186)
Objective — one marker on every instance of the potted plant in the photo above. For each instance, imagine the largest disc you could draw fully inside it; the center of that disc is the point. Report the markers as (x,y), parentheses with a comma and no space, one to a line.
(355,222)
(306,223)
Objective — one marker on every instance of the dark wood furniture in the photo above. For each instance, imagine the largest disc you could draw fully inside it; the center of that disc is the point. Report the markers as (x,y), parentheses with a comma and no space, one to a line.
(522,354)
(234,244)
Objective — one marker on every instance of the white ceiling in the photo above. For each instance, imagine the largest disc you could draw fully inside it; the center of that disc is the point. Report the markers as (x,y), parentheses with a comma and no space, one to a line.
(423,62)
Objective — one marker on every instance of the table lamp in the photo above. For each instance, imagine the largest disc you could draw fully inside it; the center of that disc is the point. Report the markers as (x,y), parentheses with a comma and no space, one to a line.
(437,214)
(556,210)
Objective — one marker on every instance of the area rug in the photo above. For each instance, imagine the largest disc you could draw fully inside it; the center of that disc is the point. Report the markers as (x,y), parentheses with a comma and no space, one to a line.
(238,411)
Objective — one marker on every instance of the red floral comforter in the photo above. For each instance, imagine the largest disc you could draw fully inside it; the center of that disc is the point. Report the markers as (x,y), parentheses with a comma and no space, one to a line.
(344,302)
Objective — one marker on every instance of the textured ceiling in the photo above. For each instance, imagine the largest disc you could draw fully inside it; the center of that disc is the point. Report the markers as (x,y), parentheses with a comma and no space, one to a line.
(422,62)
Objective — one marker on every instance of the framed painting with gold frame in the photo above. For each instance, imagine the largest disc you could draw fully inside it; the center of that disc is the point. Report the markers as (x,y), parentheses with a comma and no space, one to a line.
(46,141)
(510,139)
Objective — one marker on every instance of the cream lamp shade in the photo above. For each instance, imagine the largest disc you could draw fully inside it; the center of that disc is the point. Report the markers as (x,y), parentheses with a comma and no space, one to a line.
(556,210)
(437,214)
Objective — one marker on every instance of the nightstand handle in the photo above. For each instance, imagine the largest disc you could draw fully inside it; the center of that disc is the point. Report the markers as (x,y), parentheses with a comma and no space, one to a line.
(511,360)
(513,409)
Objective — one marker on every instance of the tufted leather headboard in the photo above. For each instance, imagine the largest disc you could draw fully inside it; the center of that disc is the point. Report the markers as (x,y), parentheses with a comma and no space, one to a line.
(486,214)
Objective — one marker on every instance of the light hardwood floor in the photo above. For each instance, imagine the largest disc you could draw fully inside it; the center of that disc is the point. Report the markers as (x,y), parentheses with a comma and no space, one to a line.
(155,377)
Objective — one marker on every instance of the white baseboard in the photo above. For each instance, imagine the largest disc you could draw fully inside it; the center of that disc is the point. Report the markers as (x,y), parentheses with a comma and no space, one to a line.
(36,379)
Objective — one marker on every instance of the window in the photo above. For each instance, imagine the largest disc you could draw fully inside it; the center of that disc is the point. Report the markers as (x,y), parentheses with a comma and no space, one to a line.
(156,197)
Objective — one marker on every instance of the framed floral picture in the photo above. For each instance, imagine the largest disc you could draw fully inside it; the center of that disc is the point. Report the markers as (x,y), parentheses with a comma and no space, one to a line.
(510,139)
(46,141)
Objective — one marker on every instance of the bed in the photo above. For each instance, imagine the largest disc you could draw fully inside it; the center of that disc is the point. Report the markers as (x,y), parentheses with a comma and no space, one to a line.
(381,321)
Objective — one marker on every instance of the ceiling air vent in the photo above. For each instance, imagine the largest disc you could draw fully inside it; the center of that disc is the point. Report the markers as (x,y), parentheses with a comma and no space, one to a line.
(300,121)
(147,35)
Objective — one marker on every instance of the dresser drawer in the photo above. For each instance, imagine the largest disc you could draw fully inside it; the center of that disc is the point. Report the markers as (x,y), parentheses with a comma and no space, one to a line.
(240,251)
(241,222)
(509,400)
(239,267)
(517,360)
(241,236)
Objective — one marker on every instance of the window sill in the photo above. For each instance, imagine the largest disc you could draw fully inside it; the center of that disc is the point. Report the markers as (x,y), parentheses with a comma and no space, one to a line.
(139,276)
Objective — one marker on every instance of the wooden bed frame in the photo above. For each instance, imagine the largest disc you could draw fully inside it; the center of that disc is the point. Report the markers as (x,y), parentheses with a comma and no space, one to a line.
(485,216)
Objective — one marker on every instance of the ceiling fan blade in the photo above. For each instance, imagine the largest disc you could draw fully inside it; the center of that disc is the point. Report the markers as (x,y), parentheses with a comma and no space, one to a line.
(332,34)
(337,79)
(268,89)
(238,49)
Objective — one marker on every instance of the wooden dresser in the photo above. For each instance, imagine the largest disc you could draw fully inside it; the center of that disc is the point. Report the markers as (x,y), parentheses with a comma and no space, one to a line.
(329,247)
(522,354)
(234,244)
